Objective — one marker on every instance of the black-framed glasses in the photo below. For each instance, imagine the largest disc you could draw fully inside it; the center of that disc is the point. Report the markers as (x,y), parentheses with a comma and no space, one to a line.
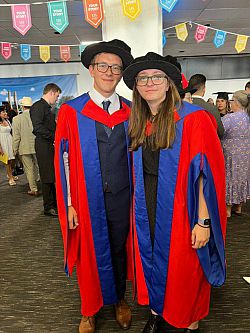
(156,79)
(103,68)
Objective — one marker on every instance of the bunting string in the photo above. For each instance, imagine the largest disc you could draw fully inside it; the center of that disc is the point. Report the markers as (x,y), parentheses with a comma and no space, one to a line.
(94,15)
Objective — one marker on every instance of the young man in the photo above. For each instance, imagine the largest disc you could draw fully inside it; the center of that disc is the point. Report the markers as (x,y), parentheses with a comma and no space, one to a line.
(24,144)
(93,184)
(44,127)
(198,81)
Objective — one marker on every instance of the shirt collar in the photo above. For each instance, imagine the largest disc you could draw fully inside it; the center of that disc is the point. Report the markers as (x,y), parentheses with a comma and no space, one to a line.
(196,96)
(98,98)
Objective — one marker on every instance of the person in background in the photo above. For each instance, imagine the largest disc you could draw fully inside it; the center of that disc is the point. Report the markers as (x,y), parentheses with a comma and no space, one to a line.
(222,102)
(6,144)
(44,127)
(247,87)
(10,111)
(198,81)
(92,143)
(24,144)
(236,143)
(179,197)
(211,101)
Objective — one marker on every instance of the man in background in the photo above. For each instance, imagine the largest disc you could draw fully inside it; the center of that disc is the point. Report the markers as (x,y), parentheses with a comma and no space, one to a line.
(247,87)
(198,81)
(24,144)
(44,127)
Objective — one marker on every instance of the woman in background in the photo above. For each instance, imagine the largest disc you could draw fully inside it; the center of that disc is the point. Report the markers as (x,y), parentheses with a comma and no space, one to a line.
(6,143)
(236,147)
(222,103)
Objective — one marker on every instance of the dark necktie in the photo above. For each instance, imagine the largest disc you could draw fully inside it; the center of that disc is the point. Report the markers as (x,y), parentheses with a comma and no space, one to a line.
(106,105)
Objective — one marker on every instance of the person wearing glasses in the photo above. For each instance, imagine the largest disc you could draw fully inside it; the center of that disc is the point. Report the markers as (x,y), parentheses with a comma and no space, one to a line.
(93,184)
(179,192)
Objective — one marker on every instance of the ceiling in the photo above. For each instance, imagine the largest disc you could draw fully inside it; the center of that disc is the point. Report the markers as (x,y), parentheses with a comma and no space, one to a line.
(229,15)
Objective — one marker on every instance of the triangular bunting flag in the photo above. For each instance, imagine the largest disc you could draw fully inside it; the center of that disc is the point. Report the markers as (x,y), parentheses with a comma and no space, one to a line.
(181,31)
(131,8)
(44,52)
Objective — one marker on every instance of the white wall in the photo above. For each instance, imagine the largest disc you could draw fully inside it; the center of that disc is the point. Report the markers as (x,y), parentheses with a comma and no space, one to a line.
(33,70)
(224,85)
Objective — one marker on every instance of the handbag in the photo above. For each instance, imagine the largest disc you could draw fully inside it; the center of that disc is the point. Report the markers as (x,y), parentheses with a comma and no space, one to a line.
(4,158)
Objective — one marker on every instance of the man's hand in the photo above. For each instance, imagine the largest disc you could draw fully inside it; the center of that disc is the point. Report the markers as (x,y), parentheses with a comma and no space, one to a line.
(200,236)
(72,217)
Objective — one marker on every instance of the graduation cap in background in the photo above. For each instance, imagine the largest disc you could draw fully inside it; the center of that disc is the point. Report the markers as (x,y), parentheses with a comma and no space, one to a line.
(223,95)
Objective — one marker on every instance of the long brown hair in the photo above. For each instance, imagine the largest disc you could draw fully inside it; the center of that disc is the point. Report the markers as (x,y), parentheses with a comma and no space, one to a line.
(164,125)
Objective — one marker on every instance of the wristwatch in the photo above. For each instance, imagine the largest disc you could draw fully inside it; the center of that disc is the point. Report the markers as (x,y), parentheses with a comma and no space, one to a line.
(206,222)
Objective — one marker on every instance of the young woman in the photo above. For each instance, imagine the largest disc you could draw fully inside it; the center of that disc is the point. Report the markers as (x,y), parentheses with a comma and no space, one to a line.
(6,143)
(222,103)
(179,197)
(236,143)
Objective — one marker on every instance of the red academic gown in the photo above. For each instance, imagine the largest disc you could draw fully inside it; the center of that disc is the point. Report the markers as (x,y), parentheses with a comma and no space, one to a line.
(87,246)
(174,279)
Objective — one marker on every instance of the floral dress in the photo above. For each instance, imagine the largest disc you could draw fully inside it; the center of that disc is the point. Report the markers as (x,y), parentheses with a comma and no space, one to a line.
(236,147)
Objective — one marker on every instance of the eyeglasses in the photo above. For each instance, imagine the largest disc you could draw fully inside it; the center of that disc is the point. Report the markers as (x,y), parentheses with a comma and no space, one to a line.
(103,68)
(155,79)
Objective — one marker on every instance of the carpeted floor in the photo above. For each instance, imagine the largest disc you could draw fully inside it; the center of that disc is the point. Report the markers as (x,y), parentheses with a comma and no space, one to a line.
(37,297)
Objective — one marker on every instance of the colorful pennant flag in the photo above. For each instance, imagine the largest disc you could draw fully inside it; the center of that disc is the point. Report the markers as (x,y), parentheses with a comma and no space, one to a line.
(241,43)
(164,39)
(93,10)
(25,51)
(44,51)
(219,38)
(21,18)
(6,50)
(65,53)
(168,5)
(58,15)
(181,31)
(200,33)
(131,8)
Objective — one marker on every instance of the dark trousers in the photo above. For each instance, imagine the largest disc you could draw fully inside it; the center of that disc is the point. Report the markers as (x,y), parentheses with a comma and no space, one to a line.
(117,211)
(49,196)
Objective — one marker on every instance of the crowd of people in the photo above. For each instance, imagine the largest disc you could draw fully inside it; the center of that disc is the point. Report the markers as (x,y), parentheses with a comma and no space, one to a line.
(142,189)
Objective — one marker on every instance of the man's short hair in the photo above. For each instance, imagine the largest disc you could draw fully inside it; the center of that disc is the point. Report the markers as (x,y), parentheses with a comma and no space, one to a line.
(51,87)
(197,81)
(247,85)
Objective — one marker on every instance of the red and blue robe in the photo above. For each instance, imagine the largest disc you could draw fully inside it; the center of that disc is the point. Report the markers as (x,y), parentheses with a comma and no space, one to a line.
(173,278)
(87,246)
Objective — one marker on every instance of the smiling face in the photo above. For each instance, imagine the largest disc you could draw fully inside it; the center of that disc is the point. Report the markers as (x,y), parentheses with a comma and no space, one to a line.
(3,115)
(153,92)
(105,83)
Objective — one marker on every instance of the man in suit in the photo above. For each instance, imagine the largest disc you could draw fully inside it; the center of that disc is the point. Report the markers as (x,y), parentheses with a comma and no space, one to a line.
(24,144)
(198,81)
(44,127)
(94,204)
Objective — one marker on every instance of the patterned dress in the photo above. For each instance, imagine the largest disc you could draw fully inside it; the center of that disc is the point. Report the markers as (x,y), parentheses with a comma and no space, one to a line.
(236,147)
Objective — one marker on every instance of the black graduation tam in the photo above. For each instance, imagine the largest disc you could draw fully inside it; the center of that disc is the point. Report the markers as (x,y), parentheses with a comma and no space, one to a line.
(114,46)
(222,95)
(151,61)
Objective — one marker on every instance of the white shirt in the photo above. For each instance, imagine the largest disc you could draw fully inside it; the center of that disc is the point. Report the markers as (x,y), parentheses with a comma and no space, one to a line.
(97,98)
(196,96)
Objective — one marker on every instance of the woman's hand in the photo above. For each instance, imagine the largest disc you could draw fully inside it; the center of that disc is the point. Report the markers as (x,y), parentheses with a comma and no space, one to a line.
(200,236)
(72,217)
